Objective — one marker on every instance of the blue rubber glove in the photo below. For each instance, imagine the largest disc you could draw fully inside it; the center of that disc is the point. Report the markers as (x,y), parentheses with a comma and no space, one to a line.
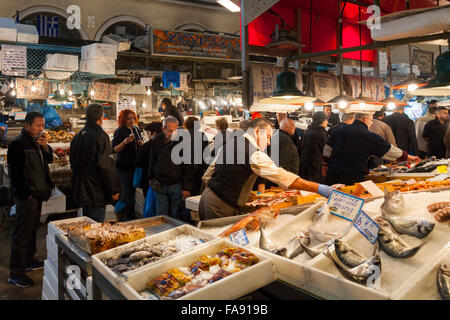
(324,190)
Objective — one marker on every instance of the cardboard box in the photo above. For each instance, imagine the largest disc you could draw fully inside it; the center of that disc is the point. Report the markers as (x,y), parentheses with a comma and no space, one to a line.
(27,33)
(8,30)
(98,66)
(62,62)
(99,51)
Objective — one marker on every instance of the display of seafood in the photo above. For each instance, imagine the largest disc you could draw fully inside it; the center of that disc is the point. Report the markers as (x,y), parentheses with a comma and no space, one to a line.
(427,165)
(60,136)
(441,211)
(145,253)
(277,198)
(99,237)
(323,229)
(443,282)
(206,270)
(61,153)
(422,185)
(67,226)
(252,221)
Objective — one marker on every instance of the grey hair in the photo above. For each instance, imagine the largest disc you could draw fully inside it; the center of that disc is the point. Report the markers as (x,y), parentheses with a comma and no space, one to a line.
(261,123)
(360,116)
(169,119)
(243,124)
(286,122)
(347,116)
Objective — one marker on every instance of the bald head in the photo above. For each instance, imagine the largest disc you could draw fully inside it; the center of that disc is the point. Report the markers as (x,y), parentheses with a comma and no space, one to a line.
(288,126)
(281,116)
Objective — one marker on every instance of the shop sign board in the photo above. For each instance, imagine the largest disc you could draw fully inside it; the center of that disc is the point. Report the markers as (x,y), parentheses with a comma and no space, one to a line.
(367,227)
(24,89)
(105,92)
(124,102)
(344,205)
(326,86)
(14,60)
(195,45)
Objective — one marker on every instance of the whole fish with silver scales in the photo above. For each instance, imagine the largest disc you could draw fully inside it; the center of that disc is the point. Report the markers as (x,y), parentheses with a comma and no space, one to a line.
(443,282)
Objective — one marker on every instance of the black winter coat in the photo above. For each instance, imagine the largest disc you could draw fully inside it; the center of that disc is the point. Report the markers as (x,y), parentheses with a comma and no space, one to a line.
(94,179)
(404,132)
(29,173)
(174,112)
(126,159)
(311,160)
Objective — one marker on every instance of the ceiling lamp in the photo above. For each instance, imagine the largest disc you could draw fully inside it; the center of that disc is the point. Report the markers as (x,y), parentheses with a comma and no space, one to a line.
(440,84)
(391,102)
(286,91)
(343,100)
(230,5)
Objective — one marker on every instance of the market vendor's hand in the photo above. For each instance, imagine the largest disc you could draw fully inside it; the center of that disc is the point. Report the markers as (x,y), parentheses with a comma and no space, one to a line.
(140,143)
(413,158)
(337,186)
(116,196)
(185,194)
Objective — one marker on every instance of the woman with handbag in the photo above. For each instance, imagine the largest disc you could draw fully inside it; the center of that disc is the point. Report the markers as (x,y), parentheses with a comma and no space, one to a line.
(127,142)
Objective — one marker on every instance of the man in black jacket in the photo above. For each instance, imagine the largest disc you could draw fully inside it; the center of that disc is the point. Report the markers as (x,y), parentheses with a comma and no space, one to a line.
(333,118)
(28,159)
(94,181)
(170,110)
(403,129)
(434,132)
(170,181)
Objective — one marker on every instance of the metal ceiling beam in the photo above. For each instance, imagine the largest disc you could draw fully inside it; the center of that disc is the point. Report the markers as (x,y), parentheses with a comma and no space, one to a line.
(373,46)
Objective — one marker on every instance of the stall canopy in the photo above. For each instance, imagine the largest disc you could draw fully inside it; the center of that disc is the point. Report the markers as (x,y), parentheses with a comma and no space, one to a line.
(324,24)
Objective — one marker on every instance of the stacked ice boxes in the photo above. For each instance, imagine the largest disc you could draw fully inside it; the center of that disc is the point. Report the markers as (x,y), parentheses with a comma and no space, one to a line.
(50,280)
(8,30)
(60,66)
(27,33)
(98,58)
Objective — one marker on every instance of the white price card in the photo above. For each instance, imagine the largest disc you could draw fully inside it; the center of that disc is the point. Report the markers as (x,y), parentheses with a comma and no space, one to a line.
(146,82)
(367,227)
(344,205)
(239,237)
(372,188)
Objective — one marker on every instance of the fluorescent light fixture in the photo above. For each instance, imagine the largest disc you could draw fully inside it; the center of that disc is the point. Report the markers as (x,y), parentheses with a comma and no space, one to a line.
(230,5)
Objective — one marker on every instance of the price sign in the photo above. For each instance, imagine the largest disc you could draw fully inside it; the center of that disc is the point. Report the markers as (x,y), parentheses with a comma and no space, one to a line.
(239,237)
(14,60)
(367,227)
(344,205)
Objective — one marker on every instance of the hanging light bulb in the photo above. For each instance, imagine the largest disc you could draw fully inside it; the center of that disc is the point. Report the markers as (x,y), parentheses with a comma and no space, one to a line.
(309,105)
(61,91)
(13,93)
(149,92)
(11,85)
(413,87)
(70,92)
(343,104)
(92,92)
(391,106)
(133,102)
(144,105)
(33,88)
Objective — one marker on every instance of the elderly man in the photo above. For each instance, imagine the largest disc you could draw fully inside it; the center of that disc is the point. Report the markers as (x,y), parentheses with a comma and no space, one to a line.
(420,125)
(231,176)
(350,147)
(434,132)
(347,118)
(403,129)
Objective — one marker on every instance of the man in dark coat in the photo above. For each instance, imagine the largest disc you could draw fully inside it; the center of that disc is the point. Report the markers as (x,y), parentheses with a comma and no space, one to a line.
(350,147)
(94,181)
(403,129)
(347,118)
(333,118)
(31,184)
(434,132)
(170,110)
(313,142)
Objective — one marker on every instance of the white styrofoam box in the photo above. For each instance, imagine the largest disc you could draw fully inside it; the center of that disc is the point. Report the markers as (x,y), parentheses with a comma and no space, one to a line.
(89,288)
(51,274)
(53,229)
(153,239)
(8,30)
(56,75)
(99,51)
(193,203)
(423,284)
(98,66)
(52,250)
(123,44)
(62,62)
(47,290)
(229,288)
(56,203)
(44,297)
(27,33)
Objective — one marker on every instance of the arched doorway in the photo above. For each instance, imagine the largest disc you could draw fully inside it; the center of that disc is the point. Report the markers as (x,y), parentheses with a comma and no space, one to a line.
(128,26)
(191,27)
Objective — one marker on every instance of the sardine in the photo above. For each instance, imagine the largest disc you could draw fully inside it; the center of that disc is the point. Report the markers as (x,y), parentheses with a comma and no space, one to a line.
(314,252)
(294,247)
(121,268)
(392,244)
(348,256)
(359,274)
(394,203)
(139,255)
(443,282)
(266,244)
(412,226)
(129,251)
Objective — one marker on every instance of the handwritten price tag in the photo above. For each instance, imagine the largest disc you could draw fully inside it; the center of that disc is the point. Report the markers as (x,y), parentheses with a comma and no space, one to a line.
(344,205)
(367,227)
(239,237)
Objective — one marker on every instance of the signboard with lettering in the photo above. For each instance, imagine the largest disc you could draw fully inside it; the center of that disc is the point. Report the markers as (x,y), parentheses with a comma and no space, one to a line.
(124,102)
(367,227)
(14,60)
(105,92)
(195,45)
(32,89)
(344,205)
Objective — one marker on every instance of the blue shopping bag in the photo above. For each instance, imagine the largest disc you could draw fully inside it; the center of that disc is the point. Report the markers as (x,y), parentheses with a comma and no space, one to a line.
(137,177)
(150,204)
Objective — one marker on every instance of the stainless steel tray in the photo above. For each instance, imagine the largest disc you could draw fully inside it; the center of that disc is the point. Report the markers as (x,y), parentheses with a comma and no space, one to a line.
(157,224)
